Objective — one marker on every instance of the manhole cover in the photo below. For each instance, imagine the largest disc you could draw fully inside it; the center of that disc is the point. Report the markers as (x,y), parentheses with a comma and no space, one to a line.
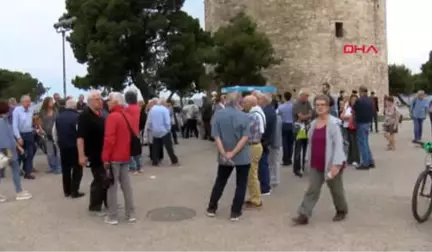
(171,213)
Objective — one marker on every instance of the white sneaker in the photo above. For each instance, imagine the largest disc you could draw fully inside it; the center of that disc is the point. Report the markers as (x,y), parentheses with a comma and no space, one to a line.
(131,219)
(24,195)
(267,193)
(2,198)
(355,164)
(110,221)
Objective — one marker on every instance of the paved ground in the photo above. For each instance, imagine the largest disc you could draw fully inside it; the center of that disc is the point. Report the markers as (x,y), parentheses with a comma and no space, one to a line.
(379,218)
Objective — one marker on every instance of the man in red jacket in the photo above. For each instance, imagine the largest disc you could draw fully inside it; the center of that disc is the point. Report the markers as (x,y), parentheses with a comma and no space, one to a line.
(134,110)
(116,157)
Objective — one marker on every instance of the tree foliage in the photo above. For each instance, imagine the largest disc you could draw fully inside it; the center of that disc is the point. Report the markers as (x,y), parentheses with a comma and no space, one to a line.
(15,84)
(241,53)
(426,74)
(400,79)
(119,40)
(186,46)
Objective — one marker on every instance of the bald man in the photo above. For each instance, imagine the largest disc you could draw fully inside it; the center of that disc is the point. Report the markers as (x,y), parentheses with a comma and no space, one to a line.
(256,150)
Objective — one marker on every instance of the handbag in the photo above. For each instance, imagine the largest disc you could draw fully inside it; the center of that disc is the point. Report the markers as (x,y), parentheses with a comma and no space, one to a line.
(351,124)
(135,144)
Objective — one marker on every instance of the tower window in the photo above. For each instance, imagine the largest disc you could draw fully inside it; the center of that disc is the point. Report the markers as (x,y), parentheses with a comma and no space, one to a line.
(339,32)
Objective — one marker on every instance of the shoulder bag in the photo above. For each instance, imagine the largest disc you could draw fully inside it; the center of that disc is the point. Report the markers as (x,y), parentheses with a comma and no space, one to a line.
(135,144)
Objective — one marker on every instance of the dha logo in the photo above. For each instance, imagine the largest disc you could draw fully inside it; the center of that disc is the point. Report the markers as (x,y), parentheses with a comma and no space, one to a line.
(363,49)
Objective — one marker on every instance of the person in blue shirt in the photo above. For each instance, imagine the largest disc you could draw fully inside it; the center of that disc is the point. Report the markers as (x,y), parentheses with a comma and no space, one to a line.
(22,125)
(418,111)
(286,112)
(160,124)
(8,147)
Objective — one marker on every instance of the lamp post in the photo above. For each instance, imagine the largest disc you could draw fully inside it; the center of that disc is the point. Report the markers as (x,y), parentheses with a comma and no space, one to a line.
(62,26)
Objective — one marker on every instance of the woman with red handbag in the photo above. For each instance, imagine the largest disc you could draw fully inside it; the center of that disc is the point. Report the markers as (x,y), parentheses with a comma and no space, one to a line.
(353,155)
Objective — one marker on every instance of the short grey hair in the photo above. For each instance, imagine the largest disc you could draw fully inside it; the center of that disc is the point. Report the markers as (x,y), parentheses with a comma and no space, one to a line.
(131,97)
(70,104)
(26,96)
(268,97)
(92,94)
(304,91)
(118,97)
(233,99)
(322,97)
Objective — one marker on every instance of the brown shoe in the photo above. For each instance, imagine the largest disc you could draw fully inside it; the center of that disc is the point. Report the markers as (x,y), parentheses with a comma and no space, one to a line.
(250,205)
(34,170)
(340,216)
(300,220)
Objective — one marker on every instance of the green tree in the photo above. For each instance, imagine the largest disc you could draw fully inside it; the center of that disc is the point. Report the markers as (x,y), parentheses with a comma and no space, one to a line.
(186,47)
(15,84)
(400,79)
(241,53)
(120,41)
(426,74)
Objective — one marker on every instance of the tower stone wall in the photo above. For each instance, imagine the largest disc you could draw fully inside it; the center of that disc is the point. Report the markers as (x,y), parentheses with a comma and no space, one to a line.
(303,34)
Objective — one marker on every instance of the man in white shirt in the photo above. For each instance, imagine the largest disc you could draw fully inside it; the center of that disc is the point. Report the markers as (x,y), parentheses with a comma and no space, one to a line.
(257,109)
(191,111)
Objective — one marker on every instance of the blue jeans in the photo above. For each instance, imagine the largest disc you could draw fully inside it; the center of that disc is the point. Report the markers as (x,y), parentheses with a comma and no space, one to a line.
(135,163)
(16,175)
(29,148)
(418,128)
(263,171)
(366,157)
(53,157)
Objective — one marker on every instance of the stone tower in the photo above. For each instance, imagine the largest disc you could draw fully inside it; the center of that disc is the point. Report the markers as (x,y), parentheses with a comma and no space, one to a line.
(310,35)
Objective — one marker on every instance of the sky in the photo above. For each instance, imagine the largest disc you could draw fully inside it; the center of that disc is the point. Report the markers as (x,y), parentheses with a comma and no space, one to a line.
(29,43)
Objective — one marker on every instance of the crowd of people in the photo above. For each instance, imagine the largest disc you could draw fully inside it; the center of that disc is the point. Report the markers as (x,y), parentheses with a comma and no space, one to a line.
(249,130)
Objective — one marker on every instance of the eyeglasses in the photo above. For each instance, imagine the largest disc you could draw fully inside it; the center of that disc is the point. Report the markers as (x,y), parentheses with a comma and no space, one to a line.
(321,104)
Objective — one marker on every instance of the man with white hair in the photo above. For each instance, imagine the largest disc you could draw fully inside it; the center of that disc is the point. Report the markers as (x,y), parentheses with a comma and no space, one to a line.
(91,128)
(418,111)
(267,141)
(160,127)
(118,147)
(22,125)
(65,134)
(231,131)
(302,115)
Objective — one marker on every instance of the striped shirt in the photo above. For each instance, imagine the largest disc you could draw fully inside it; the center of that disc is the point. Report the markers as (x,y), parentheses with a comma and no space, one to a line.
(255,136)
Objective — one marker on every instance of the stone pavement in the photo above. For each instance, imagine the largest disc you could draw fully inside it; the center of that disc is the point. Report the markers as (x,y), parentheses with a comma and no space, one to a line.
(379,218)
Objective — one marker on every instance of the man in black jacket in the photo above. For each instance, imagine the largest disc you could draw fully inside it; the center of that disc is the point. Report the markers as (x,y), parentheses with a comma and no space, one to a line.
(266,141)
(206,114)
(65,134)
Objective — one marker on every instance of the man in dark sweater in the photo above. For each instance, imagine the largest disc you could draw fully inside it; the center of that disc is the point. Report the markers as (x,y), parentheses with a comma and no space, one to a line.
(266,141)
(374,99)
(65,134)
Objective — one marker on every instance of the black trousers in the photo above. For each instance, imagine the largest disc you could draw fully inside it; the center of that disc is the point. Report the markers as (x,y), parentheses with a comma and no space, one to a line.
(374,122)
(174,133)
(158,144)
(191,128)
(98,190)
(287,143)
(300,147)
(207,129)
(353,149)
(161,153)
(72,171)
(223,174)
